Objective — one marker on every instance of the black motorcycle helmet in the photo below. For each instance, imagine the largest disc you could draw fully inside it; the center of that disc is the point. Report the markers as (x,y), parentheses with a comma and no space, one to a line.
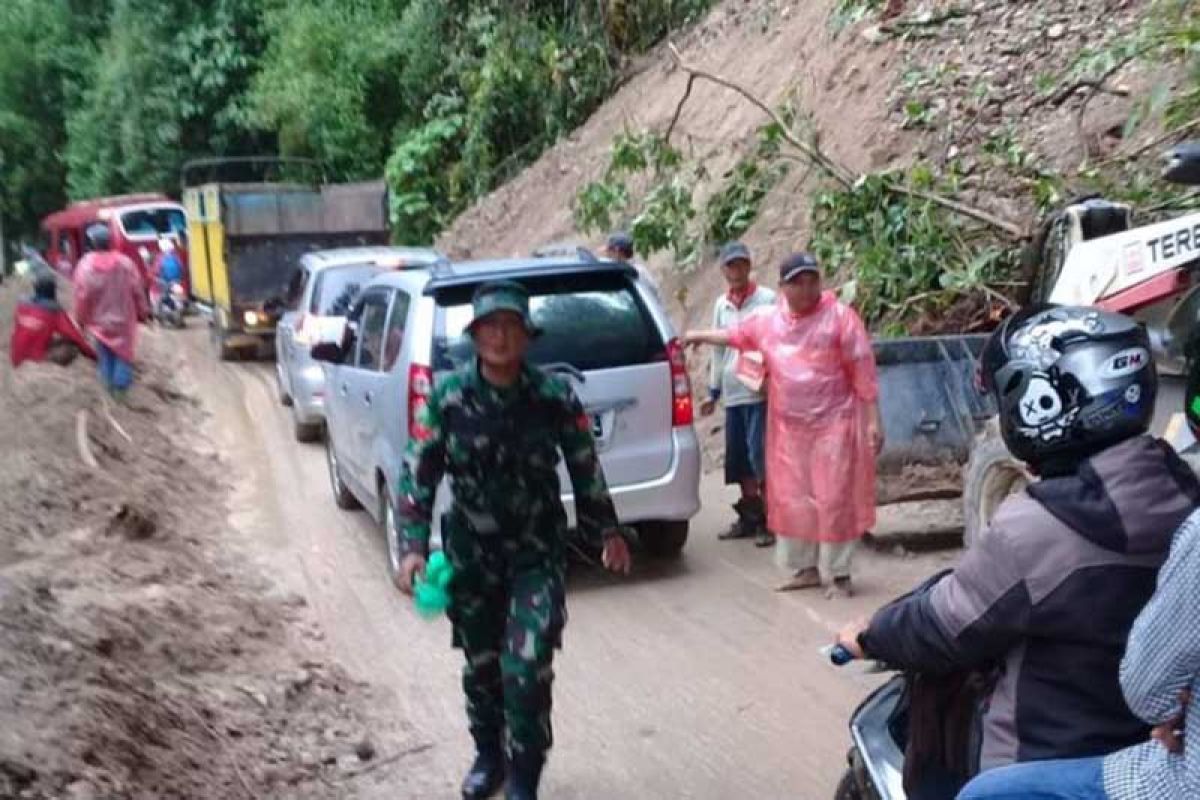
(1069,382)
(99,236)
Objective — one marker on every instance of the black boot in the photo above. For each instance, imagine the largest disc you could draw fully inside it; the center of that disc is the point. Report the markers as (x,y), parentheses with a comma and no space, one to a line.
(486,775)
(524,774)
(741,528)
(756,521)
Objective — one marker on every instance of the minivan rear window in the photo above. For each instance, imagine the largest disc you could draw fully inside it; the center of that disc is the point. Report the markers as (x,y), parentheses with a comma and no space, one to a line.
(591,322)
(337,287)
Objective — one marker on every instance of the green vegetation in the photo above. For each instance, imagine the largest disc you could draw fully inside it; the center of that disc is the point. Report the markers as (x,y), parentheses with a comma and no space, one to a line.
(663,214)
(906,255)
(849,12)
(448,98)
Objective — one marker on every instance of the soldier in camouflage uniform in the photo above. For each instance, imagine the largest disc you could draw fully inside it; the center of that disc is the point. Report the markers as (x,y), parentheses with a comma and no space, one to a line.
(496,427)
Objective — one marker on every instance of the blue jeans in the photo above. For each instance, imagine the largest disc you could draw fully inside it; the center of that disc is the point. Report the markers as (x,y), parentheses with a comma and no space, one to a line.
(745,442)
(1065,779)
(116,374)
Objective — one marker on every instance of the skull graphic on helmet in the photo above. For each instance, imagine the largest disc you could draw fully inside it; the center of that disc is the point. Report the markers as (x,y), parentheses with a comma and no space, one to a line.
(1049,405)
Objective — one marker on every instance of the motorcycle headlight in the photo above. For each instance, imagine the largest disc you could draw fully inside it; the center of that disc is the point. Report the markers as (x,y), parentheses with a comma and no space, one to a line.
(251,318)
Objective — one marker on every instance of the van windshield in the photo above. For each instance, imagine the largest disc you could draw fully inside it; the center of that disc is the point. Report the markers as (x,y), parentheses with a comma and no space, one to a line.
(153,222)
(591,322)
(337,287)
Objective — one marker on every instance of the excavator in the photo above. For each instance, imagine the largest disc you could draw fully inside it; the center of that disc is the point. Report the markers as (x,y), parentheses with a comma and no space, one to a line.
(1092,254)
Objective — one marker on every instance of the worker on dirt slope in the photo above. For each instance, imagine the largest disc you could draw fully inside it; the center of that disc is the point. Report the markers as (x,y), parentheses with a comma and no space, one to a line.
(745,408)
(495,426)
(109,301)
(42,330)
(1051,591)
(823,426)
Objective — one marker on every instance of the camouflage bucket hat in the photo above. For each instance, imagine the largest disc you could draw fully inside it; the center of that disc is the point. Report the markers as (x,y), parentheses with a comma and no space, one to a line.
(502,296)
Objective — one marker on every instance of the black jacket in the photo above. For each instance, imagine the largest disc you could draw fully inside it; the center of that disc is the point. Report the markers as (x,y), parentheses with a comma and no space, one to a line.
(1050,594)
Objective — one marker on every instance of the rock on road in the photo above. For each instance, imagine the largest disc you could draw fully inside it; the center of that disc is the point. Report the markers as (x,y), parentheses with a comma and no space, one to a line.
(690,679)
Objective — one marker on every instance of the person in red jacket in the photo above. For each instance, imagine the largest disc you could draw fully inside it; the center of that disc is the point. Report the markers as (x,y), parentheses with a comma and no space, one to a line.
(110,299)
(43,330)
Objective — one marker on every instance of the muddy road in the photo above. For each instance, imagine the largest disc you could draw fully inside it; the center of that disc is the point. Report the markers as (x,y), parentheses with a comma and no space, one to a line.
(686,680)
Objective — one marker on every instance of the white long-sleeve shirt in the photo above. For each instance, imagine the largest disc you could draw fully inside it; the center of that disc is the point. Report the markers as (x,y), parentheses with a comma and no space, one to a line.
(721,374)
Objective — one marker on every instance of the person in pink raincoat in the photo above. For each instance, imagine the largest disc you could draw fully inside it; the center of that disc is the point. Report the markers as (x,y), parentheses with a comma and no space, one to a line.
(109,303)
(823,425)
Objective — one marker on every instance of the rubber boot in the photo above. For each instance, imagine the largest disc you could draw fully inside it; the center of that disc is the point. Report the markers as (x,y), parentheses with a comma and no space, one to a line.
(741,528)
(486,775)
(756,521)
(524,775)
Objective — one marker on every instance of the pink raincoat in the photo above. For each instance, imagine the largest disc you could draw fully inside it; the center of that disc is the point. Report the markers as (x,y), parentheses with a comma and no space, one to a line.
(820,379)
(109,300)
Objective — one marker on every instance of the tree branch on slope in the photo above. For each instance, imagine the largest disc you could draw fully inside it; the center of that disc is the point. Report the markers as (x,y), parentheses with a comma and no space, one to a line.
(817,157)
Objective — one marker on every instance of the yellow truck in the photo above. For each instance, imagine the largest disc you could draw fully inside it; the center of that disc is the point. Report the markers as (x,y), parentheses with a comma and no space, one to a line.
(245,240)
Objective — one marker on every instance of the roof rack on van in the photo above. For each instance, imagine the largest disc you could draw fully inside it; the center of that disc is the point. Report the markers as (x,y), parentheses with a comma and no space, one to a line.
(559,250)
(471,273)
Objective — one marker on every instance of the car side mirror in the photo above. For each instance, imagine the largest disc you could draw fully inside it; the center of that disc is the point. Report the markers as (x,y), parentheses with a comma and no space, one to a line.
(329,352)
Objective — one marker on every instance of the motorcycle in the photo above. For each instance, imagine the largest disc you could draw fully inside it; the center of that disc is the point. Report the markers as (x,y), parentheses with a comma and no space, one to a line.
(878,735)
(916,737)
(883,733)
(169,304)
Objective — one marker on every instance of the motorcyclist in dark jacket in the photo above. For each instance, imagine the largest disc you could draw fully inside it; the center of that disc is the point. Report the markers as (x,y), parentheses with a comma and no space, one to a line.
(1051,591)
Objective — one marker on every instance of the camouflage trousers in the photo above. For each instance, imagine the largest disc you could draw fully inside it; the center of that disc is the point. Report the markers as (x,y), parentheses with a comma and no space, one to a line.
(508,625)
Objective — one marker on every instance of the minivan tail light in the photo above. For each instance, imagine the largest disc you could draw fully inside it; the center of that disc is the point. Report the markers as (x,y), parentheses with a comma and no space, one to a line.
(681,386)
(420,386)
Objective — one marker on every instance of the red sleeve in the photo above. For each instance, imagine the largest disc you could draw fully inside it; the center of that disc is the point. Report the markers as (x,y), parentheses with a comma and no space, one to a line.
(748,334)
(139,293)
(65,326)
(81,292)
(858,356)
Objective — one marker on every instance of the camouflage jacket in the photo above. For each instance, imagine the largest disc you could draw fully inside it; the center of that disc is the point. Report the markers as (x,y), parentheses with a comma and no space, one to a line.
(500,449)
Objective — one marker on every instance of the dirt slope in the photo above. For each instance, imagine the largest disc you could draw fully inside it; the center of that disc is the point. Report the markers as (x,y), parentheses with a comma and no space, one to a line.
(140,655)
(981,84)
(771,47)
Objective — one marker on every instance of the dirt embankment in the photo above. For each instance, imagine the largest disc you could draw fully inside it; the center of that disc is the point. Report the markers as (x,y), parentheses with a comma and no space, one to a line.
(997,89)
(782,51)
(141,656)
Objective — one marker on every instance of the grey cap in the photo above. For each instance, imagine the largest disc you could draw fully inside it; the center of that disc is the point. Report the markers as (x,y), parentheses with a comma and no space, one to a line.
(797,264)
(734,251)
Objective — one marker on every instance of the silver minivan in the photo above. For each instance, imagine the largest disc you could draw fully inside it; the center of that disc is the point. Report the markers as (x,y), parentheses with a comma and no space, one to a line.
(321,291)
(605,333)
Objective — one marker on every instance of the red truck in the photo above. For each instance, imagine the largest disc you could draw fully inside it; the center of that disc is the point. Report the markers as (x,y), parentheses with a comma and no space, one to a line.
(136,221)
